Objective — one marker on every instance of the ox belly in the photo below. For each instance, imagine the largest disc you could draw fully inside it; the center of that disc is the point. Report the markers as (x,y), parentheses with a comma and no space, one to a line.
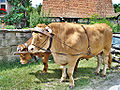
(61,59)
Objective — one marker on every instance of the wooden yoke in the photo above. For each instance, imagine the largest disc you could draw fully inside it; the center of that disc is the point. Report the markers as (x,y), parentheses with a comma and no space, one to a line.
(39,30)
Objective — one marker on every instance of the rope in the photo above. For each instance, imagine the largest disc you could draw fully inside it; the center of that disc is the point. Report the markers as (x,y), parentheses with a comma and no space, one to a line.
(52,36)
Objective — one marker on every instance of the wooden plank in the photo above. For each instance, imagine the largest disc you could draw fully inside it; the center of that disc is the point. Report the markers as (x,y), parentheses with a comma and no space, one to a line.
(116,35)
(114,60)
(116,32)
(115,51)
(115,47)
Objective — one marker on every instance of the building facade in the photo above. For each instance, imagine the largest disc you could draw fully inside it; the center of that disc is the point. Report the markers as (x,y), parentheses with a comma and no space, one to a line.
(4,4)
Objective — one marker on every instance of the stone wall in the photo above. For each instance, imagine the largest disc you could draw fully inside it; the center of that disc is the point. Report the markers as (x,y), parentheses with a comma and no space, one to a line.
(9,42)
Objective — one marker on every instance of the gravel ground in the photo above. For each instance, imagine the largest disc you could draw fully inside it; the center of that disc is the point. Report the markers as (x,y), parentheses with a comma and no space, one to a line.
(104,83)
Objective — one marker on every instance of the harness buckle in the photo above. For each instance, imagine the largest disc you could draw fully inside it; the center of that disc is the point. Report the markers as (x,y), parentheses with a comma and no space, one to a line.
(89,52)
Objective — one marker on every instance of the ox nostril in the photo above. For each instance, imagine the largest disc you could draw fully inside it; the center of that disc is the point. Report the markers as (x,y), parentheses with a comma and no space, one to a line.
(31,48)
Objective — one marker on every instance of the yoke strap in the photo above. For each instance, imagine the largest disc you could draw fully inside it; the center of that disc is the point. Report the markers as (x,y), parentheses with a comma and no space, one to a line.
(51,39)
(89,48)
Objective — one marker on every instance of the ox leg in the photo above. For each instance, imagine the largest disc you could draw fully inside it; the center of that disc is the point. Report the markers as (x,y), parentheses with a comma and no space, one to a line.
(45,60)
(77,64)
(105,60)
(70,73)
(63,78)
(99,61)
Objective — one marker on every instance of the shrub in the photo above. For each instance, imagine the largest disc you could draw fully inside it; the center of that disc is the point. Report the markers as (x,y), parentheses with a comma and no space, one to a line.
(12,19)
(19,12)
(36,18)
(10,27)
(116,28)
(96,19)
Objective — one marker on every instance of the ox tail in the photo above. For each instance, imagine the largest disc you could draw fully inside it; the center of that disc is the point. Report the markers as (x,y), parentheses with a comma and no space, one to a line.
(109,60)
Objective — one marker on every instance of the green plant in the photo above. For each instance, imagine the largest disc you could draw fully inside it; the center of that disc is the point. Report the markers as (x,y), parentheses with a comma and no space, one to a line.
(19,13)
(116,28)
(117,7)
(39,8)
(97,19)
(36,18)
(15,76)
(13,19)
(10,27)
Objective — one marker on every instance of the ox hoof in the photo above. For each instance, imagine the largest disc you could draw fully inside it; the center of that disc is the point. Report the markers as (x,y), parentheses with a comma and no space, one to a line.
(36,61)
(75,69)
(43,72)
(103,75)
(96,73)
(62,80)
(71,86)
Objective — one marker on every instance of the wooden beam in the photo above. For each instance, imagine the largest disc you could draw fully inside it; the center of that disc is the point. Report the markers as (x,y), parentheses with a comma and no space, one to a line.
(15,31)
(115,51)
(26,52)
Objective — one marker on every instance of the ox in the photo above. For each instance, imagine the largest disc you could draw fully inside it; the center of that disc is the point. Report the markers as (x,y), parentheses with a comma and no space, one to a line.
(25,57)
(73,41)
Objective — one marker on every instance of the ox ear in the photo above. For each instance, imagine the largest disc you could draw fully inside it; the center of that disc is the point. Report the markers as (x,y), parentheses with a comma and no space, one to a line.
(48,29)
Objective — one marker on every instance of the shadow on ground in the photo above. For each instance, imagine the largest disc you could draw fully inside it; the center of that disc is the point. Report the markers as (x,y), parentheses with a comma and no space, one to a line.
(4,65)
(82,74)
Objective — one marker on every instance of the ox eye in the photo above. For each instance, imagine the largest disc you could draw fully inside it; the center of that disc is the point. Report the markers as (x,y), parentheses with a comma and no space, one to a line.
(47,30)
(18,49)
(41,36)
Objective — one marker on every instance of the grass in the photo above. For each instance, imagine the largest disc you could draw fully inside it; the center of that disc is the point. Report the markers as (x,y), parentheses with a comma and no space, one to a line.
(14,76)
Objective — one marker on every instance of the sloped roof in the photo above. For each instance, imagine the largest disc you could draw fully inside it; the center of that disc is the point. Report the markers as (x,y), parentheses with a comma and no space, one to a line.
(78,8)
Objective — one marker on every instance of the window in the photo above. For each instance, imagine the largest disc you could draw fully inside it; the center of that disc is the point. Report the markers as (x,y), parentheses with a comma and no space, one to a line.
(2,1)
(3,6)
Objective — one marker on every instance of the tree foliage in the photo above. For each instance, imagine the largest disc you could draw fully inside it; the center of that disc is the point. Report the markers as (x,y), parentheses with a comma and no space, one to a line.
(36,18)
(117,7)
(19,12)
(39,8)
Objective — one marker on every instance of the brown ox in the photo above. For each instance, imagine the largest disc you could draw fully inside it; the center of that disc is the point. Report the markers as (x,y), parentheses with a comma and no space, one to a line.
(71,41)
(24,58)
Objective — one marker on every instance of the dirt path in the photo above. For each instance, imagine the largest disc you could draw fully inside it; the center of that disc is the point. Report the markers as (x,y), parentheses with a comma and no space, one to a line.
(113,78)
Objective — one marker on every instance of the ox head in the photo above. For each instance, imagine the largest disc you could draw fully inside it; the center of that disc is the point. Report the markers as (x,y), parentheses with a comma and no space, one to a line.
(40,39)
(24,58)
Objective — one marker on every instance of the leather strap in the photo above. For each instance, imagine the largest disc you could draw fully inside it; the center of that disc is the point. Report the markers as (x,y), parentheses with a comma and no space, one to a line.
(51,39)
(89,48)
